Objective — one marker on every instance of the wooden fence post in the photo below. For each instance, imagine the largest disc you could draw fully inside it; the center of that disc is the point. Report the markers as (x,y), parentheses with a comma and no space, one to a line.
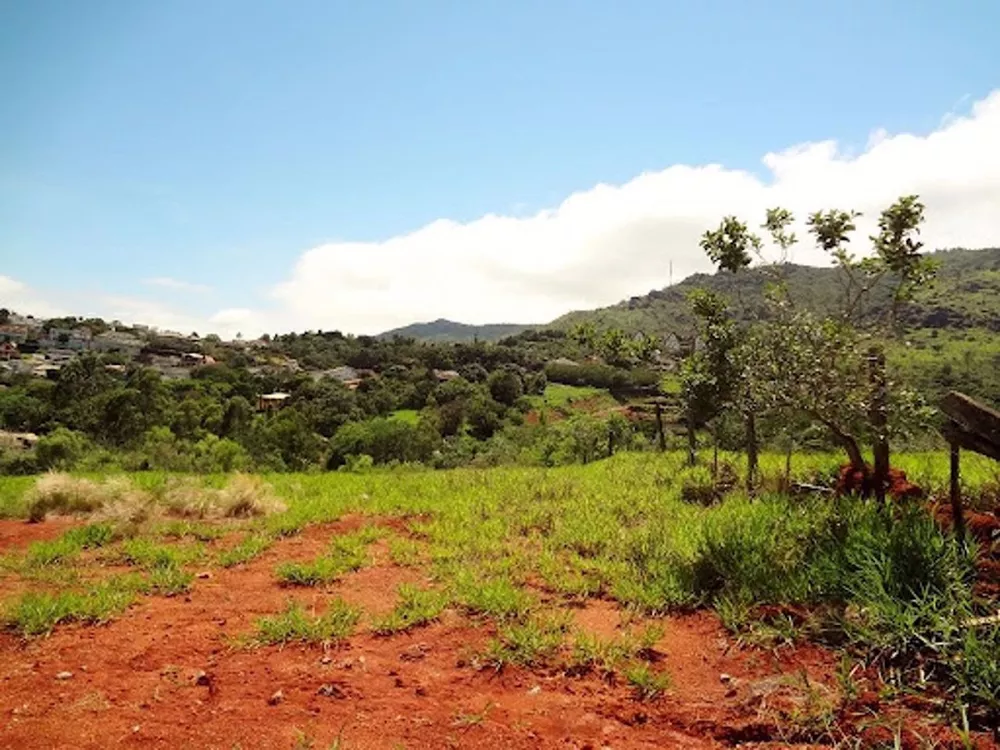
(957,516)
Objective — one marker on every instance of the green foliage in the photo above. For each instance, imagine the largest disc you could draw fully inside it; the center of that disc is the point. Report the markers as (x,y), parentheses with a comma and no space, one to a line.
(647,683)
(36,613)
(531,643)
(295,625)
(246,550)
(416,607)
(347,553)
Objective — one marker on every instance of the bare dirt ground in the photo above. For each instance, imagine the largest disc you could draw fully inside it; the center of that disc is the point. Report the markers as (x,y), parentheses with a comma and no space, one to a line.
(166,674)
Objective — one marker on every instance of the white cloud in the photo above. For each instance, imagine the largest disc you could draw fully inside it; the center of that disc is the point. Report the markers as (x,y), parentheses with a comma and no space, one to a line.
(17,296)
(613,241)
(603,244)
(166,282)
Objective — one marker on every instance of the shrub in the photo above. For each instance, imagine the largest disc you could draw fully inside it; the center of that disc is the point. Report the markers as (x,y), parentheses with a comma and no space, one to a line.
(60,449)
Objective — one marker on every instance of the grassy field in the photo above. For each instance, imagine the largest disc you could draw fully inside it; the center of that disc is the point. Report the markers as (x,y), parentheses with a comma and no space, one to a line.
(516,545)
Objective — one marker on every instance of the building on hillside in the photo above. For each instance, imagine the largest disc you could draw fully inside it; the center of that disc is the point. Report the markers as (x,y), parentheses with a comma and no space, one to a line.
(272,401)
(14,332)
(17,440)
(117,341)
(9,351)
(195,358)
(443,376)
(73,339)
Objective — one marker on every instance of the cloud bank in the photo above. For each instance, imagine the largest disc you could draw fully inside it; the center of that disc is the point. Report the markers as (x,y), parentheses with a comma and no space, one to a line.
(613,241)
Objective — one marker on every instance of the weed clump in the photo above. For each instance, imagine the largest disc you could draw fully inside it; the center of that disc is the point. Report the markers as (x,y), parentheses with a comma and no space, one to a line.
(38,613)
(295,625)
(416,607)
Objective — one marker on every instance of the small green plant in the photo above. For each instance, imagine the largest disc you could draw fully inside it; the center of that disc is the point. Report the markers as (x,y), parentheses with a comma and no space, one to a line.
(248,548)
(169,581)
(147,554)
(69,545)
(532,643)
(294,624)
(347,553)
(647,684)
(416,607)
(497,597)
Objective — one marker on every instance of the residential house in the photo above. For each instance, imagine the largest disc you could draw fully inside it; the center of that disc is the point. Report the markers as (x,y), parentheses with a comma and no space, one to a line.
(443,376)
(74,339)
(14,333)
(272,401)
(117,341)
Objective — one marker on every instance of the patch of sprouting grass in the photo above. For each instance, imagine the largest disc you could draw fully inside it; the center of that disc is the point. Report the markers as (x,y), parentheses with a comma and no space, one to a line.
(416,607)
(406,552)
(499,598)
(38,613)
(169,581)
(147,554)
(347,553)
(606,655)
(69,545)
(531,643)
(295,625)
(647,683)
(184,529)
(246,550)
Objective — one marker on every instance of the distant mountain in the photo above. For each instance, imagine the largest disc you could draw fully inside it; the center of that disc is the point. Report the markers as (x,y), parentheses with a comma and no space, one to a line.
(442,330)
(965,295)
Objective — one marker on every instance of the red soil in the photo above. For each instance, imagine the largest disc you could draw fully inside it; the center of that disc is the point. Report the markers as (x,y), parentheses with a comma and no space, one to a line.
(164,676)
(15,533)
(852,480)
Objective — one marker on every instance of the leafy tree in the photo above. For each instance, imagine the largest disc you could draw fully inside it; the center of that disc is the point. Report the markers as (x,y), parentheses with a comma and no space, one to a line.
(505,386)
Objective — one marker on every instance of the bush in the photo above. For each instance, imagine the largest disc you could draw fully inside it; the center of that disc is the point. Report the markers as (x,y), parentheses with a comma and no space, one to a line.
(60,449)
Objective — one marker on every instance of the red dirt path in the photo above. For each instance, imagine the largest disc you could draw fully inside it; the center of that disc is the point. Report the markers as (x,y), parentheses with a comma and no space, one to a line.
(163,676)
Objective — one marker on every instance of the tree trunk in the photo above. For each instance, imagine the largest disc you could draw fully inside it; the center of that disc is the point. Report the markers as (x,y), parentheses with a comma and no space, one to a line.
(751,453)
(715,451)
(660,436)
(849,444)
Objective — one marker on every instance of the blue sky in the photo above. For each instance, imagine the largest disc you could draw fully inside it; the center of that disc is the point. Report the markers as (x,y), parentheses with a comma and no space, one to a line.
(220,143)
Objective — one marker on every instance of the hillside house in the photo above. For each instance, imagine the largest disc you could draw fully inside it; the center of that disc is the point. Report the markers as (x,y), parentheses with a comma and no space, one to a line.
(73,339)
(443,376)
(117,341)
(272,401)
(14,333)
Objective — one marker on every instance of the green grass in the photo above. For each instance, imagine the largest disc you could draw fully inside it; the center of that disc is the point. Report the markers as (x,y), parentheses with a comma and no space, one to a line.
(562,397)
(532,643)
(347,553)
(36,613)
(647,683)
(416,607)
(885,582)
(295,625)
(251,546)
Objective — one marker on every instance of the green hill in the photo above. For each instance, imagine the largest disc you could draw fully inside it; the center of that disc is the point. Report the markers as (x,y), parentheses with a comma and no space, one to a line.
(442,330)
(966,295)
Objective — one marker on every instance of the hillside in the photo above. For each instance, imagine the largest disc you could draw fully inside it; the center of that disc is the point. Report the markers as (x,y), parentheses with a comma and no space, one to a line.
(965,295)
(442,330)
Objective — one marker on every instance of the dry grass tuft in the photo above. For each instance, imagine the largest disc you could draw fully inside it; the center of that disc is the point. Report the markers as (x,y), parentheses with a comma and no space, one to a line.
(184,497)
(66,495)
(118,501)
(247,496)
